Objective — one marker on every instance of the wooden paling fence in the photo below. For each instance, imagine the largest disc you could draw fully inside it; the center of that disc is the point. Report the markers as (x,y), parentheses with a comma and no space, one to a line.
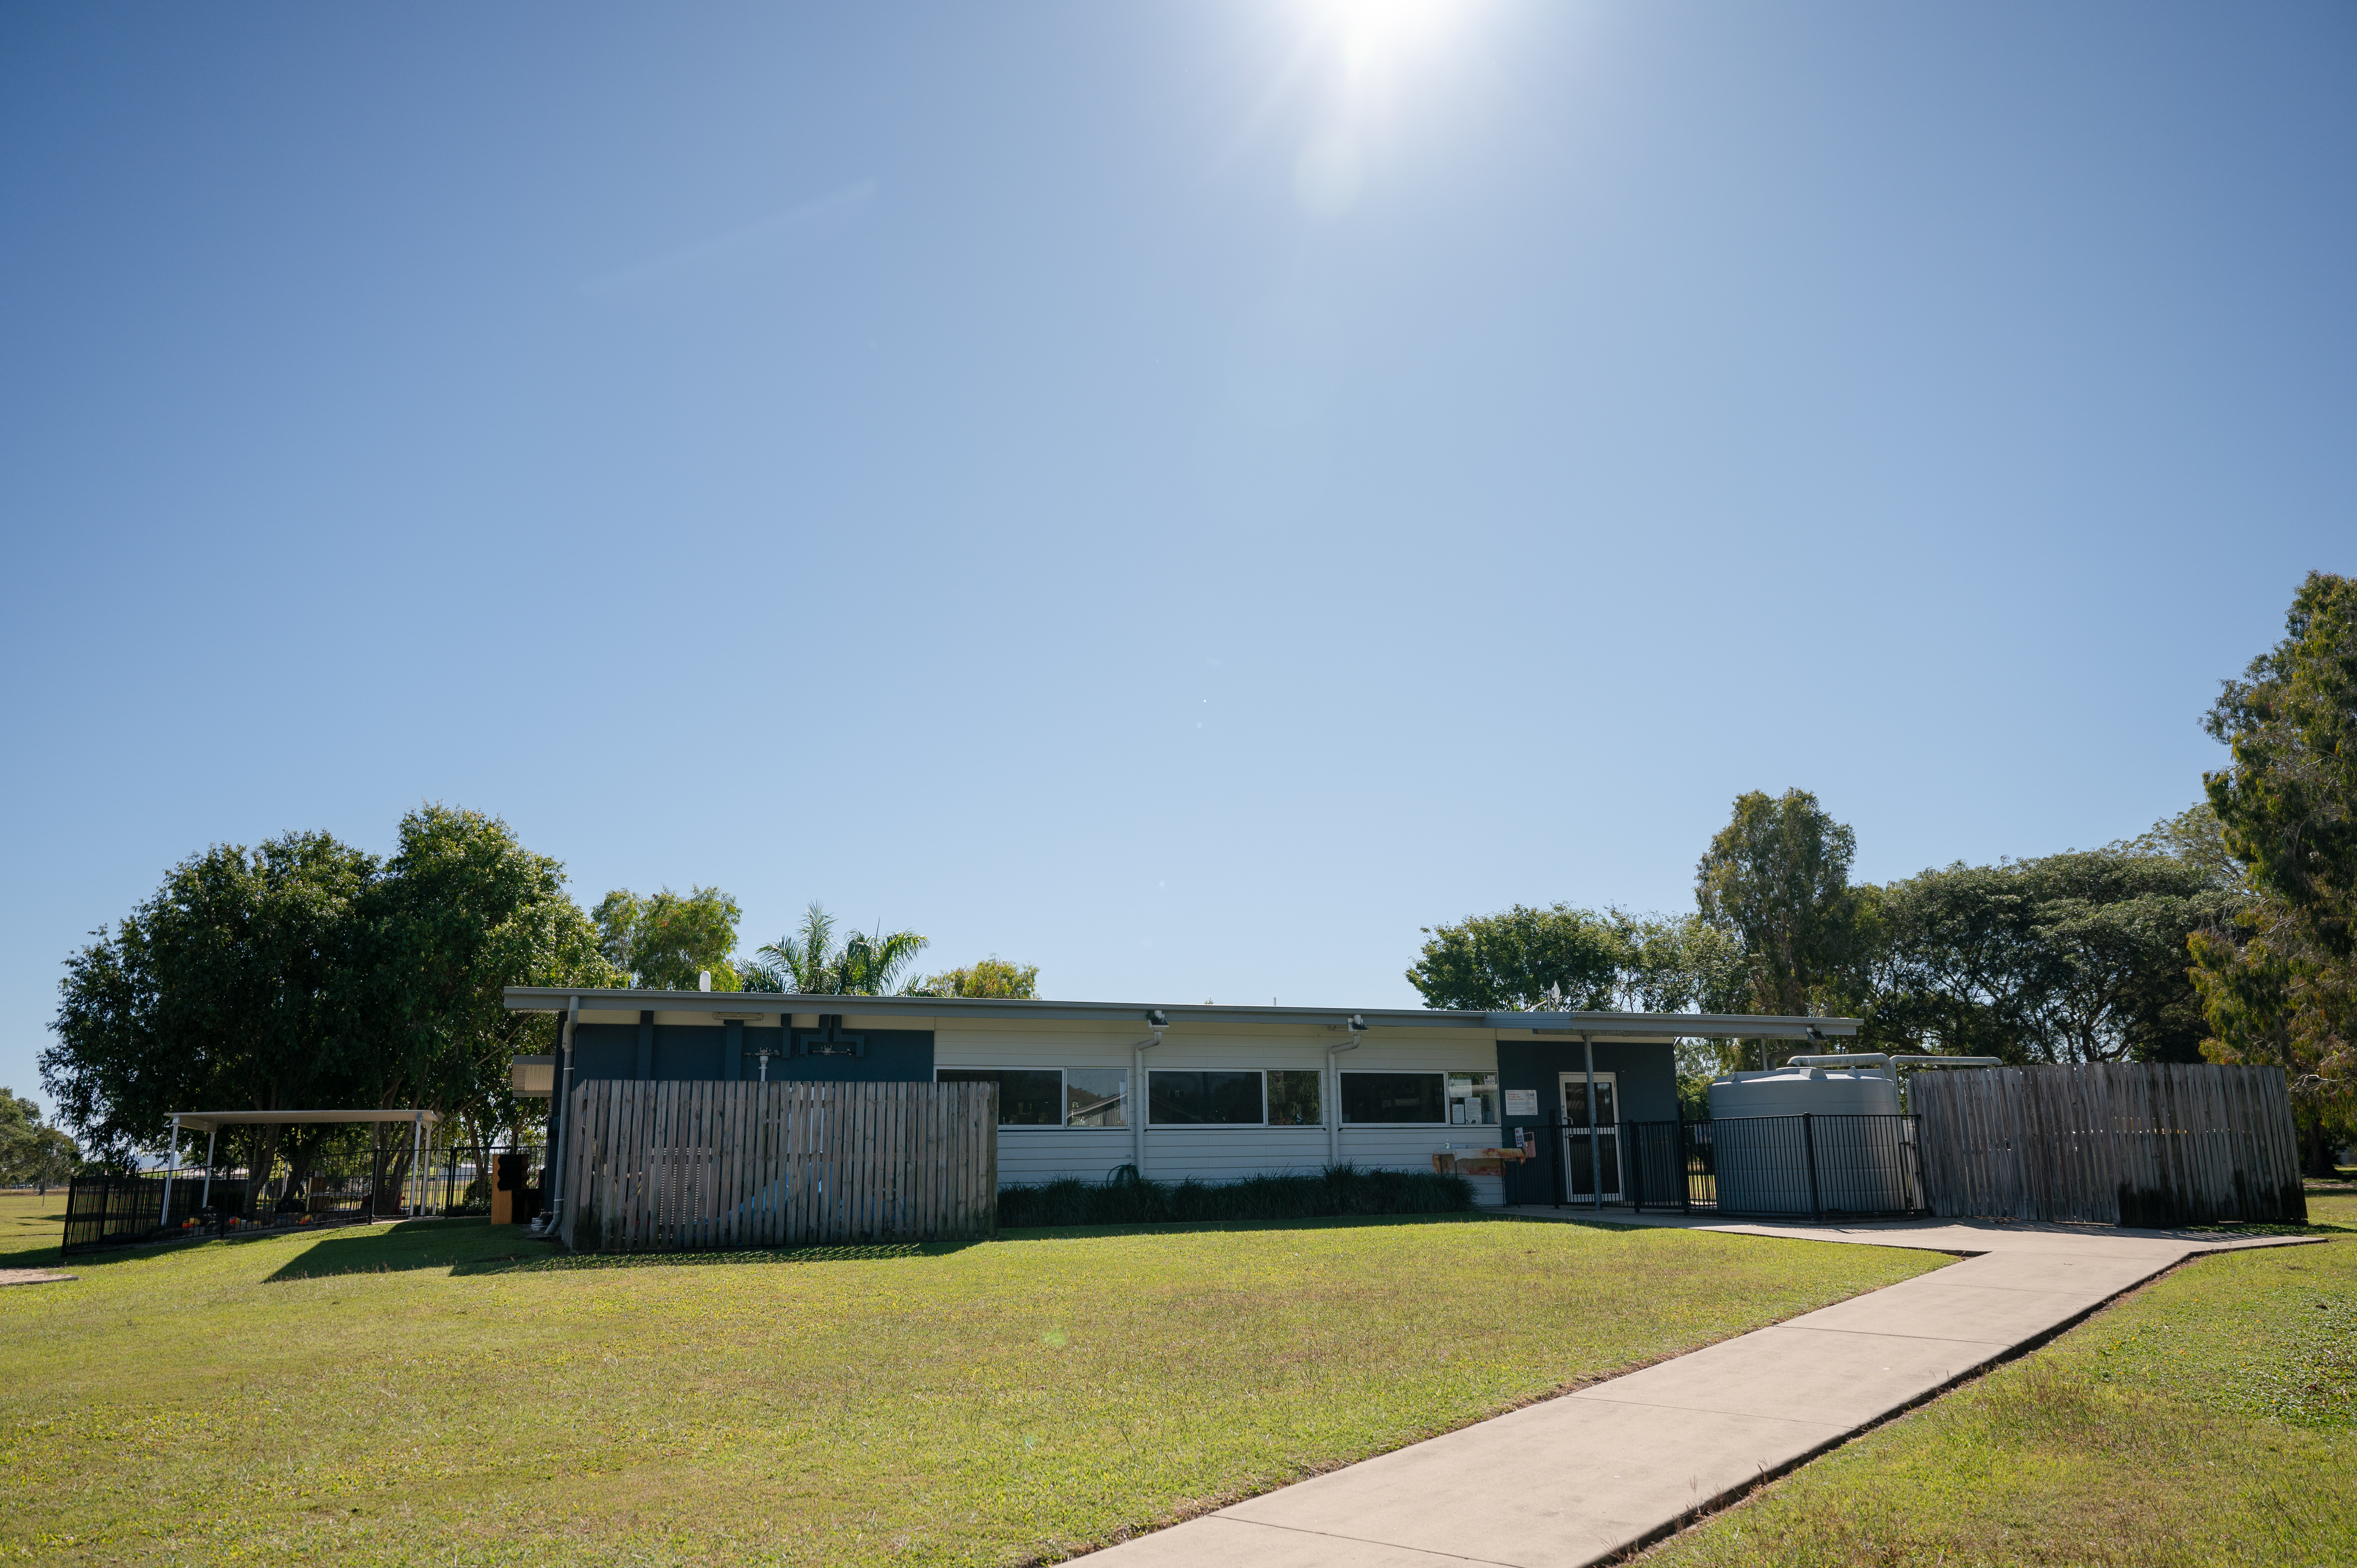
(700,1165)
(2110,1144)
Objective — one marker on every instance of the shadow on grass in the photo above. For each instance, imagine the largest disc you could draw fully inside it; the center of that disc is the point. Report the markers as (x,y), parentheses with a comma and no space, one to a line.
(1192,1227)
(880,1251)
(462,1248)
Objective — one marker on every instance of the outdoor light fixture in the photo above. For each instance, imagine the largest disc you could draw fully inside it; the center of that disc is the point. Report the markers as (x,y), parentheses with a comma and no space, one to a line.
(1358,1023)
(1156,1019)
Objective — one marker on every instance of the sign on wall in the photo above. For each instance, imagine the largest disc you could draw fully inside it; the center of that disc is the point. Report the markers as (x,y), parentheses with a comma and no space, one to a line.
(1522,1102)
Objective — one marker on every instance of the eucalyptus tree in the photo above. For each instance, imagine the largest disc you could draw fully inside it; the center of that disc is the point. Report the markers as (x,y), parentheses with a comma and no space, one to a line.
(1776,878)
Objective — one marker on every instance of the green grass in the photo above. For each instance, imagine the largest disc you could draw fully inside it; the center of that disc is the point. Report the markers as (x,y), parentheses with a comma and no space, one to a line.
(442,1393)
(2210,1418)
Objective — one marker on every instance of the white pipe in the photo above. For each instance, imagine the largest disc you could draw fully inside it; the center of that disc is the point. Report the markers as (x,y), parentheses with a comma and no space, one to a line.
(169,1161)
(1334,1095)
(1595,1149)
(205,1199)
(555,1177)
(1137,1107)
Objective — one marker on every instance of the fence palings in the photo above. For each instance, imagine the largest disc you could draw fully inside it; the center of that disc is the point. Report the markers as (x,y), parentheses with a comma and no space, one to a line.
(665,1165)
(2111,1144)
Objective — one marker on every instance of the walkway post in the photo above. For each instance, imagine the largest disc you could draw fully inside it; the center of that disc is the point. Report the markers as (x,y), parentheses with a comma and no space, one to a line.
(169,1161)
(212,1138)
(1595,1148)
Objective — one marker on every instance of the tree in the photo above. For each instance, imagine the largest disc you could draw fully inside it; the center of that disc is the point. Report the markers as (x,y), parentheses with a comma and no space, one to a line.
(992,976)
(1517,960)
(666,940)
(808,961)
(463,911)
(30,1154)
(1776,878)
(2278,982)
(2074,957)
(215,992)
(306,974)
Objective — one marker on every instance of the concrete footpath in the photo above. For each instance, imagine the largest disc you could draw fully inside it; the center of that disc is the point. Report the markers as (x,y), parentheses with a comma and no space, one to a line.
(1577,1479)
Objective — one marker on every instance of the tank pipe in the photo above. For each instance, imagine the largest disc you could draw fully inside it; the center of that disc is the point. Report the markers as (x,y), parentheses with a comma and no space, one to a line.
(1333,1090)
(1137,1106)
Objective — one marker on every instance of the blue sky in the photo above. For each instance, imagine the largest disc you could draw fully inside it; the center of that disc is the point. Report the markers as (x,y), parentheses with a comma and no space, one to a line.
(1182,494)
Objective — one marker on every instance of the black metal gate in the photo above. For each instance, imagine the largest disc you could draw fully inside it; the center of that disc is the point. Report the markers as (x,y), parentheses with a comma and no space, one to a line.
(1811,1167)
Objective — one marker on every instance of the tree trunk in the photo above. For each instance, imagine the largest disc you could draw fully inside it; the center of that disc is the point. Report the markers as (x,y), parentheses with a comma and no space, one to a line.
(2317,1151)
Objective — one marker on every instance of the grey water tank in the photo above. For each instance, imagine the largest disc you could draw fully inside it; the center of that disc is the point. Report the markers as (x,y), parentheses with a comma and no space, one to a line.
(1846,1158)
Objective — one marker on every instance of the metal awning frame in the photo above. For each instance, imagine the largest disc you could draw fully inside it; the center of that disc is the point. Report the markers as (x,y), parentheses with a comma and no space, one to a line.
(213,1122)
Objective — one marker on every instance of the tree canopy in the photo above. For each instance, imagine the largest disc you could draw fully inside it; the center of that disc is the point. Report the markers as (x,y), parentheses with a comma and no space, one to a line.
(2278,981)
(31,1153)
(666,940)
(1777,877)
(810,959)
(304,973)
(992,976)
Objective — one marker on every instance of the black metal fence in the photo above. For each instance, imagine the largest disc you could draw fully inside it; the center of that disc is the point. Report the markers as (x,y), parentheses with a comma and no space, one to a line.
(1809,1167)
(119,1210)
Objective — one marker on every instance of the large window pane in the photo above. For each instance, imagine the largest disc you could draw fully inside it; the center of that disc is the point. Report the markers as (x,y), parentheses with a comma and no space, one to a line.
(1394,1097)
(1225,1098)
(1093,1096)
(1293,1099)
(1027,1097)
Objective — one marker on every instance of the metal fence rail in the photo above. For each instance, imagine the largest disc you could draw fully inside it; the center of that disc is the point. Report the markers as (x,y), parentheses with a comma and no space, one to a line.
(1768,1166)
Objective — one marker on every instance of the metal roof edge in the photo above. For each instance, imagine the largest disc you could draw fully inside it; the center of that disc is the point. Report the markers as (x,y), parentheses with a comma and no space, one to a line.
(556,999)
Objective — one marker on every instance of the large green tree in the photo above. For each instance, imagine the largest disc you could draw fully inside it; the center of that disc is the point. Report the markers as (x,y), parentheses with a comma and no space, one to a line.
(1777,877)
(1520,959)
(2075,957)
(231,988)
(30,1154)
(2279,981)
(992,976)
(667,941)
(306,975)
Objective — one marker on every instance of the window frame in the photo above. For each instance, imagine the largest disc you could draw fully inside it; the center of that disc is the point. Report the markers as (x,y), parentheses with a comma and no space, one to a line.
(1063,1095)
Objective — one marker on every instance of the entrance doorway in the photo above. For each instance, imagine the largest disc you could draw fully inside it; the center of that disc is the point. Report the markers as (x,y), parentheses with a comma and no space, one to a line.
(1580,1165)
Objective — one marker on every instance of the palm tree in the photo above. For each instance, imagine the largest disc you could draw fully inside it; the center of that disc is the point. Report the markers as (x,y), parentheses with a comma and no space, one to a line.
(808,961)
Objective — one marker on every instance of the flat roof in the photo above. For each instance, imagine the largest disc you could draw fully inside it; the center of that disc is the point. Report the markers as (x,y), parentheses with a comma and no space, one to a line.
(1598,1025)
(207,1120)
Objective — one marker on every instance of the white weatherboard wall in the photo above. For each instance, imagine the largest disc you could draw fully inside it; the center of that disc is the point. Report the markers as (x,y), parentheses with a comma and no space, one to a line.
(1218,1154)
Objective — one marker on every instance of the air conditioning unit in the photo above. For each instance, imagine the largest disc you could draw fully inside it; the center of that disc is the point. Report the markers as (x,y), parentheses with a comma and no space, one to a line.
(533,1078)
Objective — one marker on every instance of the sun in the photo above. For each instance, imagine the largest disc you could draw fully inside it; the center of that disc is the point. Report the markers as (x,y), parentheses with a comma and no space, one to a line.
(1375,34)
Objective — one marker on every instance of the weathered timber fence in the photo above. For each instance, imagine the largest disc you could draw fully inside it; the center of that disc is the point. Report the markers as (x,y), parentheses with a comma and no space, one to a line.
(2110,1144)
(700,1165)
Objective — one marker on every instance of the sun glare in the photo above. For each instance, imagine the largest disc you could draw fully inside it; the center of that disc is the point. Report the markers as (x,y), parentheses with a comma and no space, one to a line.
(1378,33)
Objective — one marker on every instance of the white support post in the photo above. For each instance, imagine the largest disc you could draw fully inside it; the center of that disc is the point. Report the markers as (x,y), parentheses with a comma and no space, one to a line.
(417,1159)
(1595,1138)
(169,1161)
(205,1199)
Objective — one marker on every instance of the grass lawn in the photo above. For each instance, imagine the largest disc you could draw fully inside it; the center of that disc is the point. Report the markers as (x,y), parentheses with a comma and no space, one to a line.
(442,1393)
(2210,1418)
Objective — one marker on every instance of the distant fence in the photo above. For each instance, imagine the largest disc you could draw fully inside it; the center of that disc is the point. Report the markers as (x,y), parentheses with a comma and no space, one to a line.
(660,1165)
(2112,1144)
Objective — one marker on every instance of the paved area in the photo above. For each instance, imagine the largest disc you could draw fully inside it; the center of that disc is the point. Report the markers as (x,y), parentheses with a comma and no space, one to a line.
(1577,1479)
(32,1277)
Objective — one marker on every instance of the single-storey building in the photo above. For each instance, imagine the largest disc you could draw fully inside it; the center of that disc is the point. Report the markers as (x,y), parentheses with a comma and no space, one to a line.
(1211,1092)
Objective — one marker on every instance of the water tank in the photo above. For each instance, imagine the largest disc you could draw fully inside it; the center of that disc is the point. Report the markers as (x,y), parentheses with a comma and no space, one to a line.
(1851,1155)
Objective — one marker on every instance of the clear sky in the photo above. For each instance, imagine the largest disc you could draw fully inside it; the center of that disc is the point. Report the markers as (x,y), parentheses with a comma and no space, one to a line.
(1182,494)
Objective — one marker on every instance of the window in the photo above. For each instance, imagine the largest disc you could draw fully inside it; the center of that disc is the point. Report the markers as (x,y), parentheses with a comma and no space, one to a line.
(1472,1097)
(1394,1097)
(1293,1099)
(1223,1099)
(1093,1096)
(1027,1097)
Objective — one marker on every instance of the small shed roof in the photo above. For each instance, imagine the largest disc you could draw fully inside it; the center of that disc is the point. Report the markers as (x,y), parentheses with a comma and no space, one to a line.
(209,1121)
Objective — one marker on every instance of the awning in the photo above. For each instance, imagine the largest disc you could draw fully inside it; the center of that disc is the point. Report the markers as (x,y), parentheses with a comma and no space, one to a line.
(213,1121)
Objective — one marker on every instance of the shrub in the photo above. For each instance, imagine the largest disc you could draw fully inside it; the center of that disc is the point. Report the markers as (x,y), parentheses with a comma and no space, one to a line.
(1123,1198)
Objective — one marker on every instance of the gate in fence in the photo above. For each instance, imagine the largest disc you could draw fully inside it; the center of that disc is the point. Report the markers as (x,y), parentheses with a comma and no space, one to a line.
(657,1165)
(2111,1144)
(1754,1166)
